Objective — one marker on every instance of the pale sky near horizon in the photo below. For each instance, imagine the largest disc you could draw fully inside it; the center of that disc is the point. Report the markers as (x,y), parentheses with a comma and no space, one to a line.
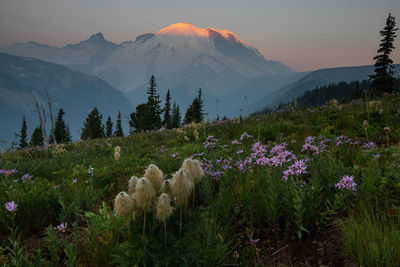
(303,34)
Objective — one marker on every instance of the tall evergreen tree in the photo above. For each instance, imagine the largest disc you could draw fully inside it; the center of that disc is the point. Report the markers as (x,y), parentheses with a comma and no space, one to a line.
(61,131)
(194,113)
(167,111)
(109,127)
(93,127)
(138,121)
(147,115)
(37,137)
(383,80)
(153,101)
(118,128)
(22,136)
(176,116)
(200,111)
(190,115)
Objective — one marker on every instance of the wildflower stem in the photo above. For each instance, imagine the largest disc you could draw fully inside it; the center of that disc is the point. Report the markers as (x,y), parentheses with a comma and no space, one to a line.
(144,222)
(387,139)
(180,222)
(194,193)
(165,234)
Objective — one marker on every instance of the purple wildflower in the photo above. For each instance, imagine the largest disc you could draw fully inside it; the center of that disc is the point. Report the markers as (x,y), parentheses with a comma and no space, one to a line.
(235,142)
(74,181)
(164,149)
(278,149)
(210,142)
(11,206)
(26,177)
(9,172)
(240,151)
(299,167)
(347,182)
(244,136)
(175,155)
(370,145)
(56,186)
(61,227)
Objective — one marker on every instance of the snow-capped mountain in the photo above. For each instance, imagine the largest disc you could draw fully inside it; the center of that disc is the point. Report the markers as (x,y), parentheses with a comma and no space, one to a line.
(181,56)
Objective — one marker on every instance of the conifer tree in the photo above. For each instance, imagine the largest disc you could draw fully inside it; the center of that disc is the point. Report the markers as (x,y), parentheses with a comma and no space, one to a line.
(109,127)
(167,111)
(118,128)
(93,127)
(147,115)
(153,119)
(194,113)
(176,116)
(138,121)
(22,141)
(61,131)
(383,80)
(37,137)
(200,105)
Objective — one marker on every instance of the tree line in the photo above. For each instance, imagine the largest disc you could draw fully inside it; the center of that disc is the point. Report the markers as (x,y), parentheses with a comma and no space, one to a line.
(147,116)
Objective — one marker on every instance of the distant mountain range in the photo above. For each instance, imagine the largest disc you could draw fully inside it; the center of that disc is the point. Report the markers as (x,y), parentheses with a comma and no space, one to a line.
(313,79)
(77,93)
(183,58)
(235,77)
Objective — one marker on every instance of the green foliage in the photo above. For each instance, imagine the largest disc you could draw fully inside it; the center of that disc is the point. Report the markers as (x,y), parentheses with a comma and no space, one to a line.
(93,127)
(72,181)
(118,128)
(22,136)
(176,116)
(167,112)
(194,113)
(37,138)
(372,238)
(61,130)
(109,127)
(383,80)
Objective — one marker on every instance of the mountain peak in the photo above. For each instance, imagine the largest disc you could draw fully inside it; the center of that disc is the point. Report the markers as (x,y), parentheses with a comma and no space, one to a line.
(183,28)
(97,37)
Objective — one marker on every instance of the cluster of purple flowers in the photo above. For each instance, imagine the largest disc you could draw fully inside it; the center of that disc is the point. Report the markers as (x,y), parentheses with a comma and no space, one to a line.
(11,206)
(244,136)
(210,142)
(8,172)
(26,177)
(310,145)
(299,167)
(164,149)
(370,145)
(341,140)
(347,182)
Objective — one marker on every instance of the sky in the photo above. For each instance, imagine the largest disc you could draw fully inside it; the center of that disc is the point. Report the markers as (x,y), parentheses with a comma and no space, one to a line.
(303,34)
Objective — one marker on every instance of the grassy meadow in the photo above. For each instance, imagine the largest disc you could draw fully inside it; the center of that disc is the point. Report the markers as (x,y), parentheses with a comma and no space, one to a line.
(312,187)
